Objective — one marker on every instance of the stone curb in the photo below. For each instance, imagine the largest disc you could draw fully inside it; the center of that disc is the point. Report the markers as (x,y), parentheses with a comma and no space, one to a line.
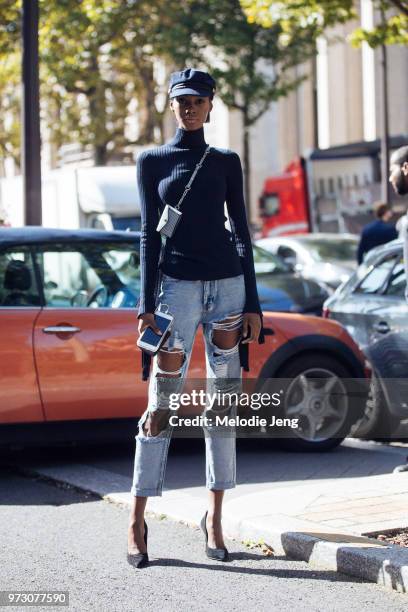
(357,556)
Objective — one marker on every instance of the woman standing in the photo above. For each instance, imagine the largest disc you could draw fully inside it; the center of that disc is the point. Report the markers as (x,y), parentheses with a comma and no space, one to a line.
(205,275)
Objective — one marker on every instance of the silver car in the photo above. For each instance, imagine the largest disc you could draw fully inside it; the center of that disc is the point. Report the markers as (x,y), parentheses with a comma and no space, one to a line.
(372,307)
(325,258)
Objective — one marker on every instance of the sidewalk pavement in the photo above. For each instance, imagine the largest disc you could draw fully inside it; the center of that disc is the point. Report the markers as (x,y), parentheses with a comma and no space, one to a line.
(319,521)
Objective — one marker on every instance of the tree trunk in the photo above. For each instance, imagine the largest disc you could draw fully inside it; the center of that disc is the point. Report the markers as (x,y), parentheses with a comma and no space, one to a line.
(385,147)
(54,119)
(100,155)
(97,111)
(146,98)
(247,166)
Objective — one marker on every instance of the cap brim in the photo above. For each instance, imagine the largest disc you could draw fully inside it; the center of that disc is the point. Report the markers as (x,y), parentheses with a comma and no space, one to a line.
(189,91)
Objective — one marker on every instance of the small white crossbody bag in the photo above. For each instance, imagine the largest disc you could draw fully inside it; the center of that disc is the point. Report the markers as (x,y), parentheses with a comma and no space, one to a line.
(171,215)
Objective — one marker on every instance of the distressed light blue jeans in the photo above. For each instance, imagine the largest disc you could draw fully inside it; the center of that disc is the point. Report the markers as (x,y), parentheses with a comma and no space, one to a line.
(216,304)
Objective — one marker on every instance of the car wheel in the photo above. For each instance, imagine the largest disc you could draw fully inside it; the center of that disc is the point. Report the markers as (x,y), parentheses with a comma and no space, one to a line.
(377,422)
(316,389)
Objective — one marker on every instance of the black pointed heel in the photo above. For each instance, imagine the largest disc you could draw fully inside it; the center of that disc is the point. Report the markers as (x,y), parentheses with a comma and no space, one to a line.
(139,560)
(218,554)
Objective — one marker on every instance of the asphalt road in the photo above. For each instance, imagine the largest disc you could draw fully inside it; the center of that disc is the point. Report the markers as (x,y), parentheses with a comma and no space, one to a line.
(56,538)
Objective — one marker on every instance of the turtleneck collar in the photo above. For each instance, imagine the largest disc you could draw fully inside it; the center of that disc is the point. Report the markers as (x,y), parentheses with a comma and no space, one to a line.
(188,139)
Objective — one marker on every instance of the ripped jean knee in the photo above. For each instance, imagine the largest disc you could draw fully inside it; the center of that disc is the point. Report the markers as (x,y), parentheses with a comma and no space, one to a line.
(223,358)
(155,421)
(166,380)
(231,323)
(224,385)
(155,424)
(168,376)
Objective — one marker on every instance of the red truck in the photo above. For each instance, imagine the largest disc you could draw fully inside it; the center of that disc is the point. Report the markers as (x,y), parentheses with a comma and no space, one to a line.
(328,190)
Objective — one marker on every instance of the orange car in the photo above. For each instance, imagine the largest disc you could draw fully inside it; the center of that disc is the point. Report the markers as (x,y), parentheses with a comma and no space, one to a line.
(70,368)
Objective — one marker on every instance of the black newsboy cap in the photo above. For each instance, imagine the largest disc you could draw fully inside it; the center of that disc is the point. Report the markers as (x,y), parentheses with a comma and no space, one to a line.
(191,82)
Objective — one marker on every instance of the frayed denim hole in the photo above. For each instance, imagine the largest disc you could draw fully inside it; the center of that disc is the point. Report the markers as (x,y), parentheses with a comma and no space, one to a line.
(161,434)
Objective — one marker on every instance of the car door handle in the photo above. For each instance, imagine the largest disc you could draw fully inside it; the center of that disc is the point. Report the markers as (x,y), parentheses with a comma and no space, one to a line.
(382,327)
(61,329)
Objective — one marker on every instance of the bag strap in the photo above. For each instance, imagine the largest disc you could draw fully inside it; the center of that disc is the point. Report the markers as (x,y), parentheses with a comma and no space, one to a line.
(186,190)
(190,182)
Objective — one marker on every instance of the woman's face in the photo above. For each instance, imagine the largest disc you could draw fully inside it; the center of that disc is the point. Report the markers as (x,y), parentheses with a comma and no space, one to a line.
(191,111)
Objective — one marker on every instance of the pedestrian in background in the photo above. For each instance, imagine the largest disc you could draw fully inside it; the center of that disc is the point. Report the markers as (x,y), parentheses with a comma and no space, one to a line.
(377,232)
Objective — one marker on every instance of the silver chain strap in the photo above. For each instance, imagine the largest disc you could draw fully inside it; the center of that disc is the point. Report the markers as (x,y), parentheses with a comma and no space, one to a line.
(188,186)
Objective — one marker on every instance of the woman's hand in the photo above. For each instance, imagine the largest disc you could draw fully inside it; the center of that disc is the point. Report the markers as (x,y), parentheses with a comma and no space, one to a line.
(251,325)
(147,320)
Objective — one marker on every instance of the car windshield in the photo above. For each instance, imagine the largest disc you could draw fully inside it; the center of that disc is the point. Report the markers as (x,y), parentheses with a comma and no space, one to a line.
(72,272)
(332,249)
(368,269)
(267,263)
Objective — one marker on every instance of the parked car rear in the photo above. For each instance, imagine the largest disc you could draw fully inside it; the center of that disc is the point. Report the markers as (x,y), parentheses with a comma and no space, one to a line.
(325,258)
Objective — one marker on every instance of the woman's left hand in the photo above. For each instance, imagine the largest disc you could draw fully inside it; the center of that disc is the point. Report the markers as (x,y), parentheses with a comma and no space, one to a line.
(251,325)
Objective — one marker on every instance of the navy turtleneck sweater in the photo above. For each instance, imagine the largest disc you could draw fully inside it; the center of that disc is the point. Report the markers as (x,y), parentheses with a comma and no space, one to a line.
(201,247)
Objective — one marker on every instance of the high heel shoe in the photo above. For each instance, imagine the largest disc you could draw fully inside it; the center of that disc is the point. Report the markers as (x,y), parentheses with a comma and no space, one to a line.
(218,554)
(139,560)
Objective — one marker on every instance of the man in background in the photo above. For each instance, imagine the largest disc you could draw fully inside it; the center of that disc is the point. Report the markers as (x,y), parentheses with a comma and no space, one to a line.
(399,171)
(399,181)
(377,232)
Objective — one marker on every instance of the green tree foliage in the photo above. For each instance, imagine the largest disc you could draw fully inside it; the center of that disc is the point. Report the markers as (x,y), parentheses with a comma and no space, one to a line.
(10,77)
(97,53)
(394,29)
(75,40)
(9,24)
(10,107)
(252,64)
(292,13)
(96,58)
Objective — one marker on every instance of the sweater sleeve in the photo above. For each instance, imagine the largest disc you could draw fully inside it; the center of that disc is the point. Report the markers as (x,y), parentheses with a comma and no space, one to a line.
(150,240)
(237,214)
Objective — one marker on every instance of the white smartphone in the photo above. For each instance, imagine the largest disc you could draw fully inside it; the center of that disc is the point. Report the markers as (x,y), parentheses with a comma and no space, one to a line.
(149,341)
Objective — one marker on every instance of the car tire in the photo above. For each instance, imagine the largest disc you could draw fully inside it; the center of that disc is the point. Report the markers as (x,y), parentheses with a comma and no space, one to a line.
(377,423)
(327,385)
